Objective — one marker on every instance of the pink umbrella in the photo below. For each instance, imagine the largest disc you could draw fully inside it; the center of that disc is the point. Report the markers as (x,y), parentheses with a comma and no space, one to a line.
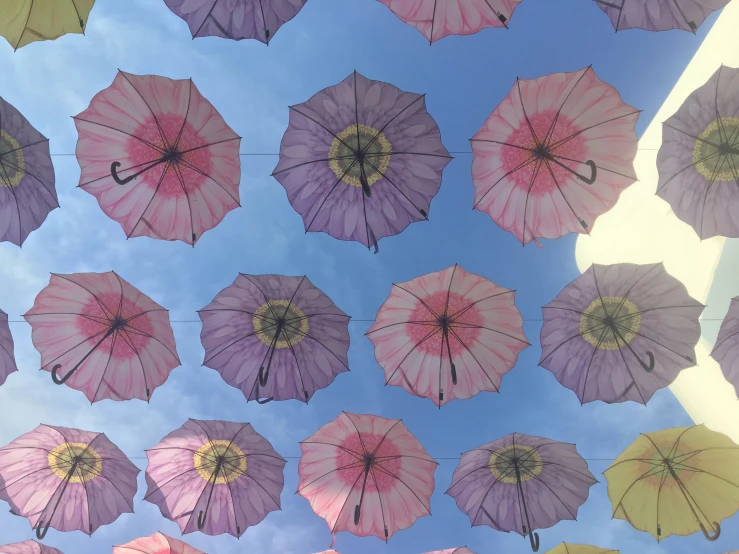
(437,19)
(158,157)
(112,340)
(446,335)
(7,357)
(367,475)
(67,479)
(726,349)
(28,547)
(158,543)
(214,476)
(554,155)
(459,550)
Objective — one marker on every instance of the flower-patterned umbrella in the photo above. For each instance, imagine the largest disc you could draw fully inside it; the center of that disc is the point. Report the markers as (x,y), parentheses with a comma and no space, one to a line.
(158,543)
(659,15)
(7,355)
(27,21)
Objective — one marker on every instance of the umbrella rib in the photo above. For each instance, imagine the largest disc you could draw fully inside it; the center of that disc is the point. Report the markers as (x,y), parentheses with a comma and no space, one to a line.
(580,334)
(563,195)
(590,363)
(374,452)
(433,19)
(663,480)
(195,34)
(719,121)
(107,365)
(654,341)
(649,473)
(525,115)
(487,492)
(75,346)
(355,454)
(336,184)
(550,132)
(23,146)
(382,129)
(385,471)
(222,350)
(156,121)
(711,182)
(425,305)
(574,516)
(534,175)
(209,145)
(580,473)
(423,323)
(346,500)
(628,369)
(462,311)
(558,157)
(120,172)
(266,298)
(353,465)
(470,326)
(393,153)
(132,346)
(308,336)
(379,497)
(25,171)
(276,502)
(297,366)
(187,199)
(187,115)
(710,474)
(17,205)
(141,333)
(424,339)
(145,142)
(301,164)
(730,336)
(692,164)
(156,190)
(396,187)
(23,32)
(497,389)
(200,172)
(112,484)
(523,164)
(695,137)
(589,316)
(565,140)
(322,126)
(361,440)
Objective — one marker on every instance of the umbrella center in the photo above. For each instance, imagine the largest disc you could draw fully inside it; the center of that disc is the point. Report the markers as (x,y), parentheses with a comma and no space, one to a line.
(280,323)
(117,323)
(75,462)
(716,152)
(12,161)
(541,152)
(369,460)
(220,462)
(515,462)
(356,149)
(610,322)
(172,155)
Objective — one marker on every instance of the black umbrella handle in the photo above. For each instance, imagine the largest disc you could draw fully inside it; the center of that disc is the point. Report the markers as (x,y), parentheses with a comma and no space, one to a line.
(41,533)
(57,367)
(716,531)
(534,540)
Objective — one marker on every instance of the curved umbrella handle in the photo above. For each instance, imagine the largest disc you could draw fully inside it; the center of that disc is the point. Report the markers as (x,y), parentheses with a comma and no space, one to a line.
(113,171)
(357,509)
(201,520)
(259,380)
(534,539)
(593,173)
(263,376)
(454,375)
(41,534)
(55,375)
(716,531)
(649,366)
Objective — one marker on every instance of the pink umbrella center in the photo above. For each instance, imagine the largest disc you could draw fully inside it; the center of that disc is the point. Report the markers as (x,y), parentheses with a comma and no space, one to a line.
(515,463)
(558,145)
(184,147)
(716,152)
(610,322)
(108,311)
(359,152)
(14,164)
(281,319)
(220,462)
(375,451)
(75,462)
(462,319)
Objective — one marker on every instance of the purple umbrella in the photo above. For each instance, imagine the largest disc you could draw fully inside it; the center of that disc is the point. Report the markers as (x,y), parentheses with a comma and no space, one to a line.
(66,479)
(27,192)
(235,19)
(215,477)
(726,349)
(361,160)
(620,332)
(7,358)
(274,325)
(521,483)
(659,15)
(698,161)
(28,547)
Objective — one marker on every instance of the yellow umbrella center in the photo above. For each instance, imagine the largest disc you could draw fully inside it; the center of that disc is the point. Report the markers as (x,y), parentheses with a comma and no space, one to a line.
(12,161)
(357,149)
(610,322)
(75,462)
(291,331)
(515,463)
(716,152)
(220,462)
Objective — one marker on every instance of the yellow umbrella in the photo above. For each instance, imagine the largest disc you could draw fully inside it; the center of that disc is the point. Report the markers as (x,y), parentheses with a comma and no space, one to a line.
(26,21)
(676,482)
(569,548)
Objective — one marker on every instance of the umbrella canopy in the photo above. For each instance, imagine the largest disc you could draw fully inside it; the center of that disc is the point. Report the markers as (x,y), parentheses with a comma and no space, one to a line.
(521,483)
(367,475)
(448,335)
(27,191)
(659,15)
(67,479)
(27,21)
(100,335)
(554,155)
(698,161)
(726,349)
(28,547)
(235,19)
(361,160)
(460,550)
(676,482)
(569,548)
(278,326)
(620,332)
(214,476)
(436,19)
(7,356)
(158,543)
(158,157)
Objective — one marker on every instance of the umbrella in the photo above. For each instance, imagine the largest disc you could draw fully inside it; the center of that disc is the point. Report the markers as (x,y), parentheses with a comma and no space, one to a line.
(102,336)
(272,324)
(676,482)
(215,477)
(554,155)
(437,19)
(569,548)
(361,160)
(67,479)
(521,483)
(698,161)
(27,192)
(158,543)
(726,349)
(158,157)
(620,332)
(446,335)
(460,550)
(659,15)
(235,19)
(28,547)
(26,21)
(367,475)
(7,357)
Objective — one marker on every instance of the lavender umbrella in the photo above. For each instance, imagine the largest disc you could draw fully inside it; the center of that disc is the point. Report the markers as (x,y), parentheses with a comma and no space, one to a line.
(7,358)
(726,349)
(28,547)
(698,161)
(361,160)
(215,477)
(272,324)
(521,483)
(620,332)
(27,192)
(659,15)
(66,479)
(235,19)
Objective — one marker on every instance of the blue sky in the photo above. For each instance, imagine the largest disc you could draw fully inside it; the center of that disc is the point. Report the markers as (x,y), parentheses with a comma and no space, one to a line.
(252,85)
